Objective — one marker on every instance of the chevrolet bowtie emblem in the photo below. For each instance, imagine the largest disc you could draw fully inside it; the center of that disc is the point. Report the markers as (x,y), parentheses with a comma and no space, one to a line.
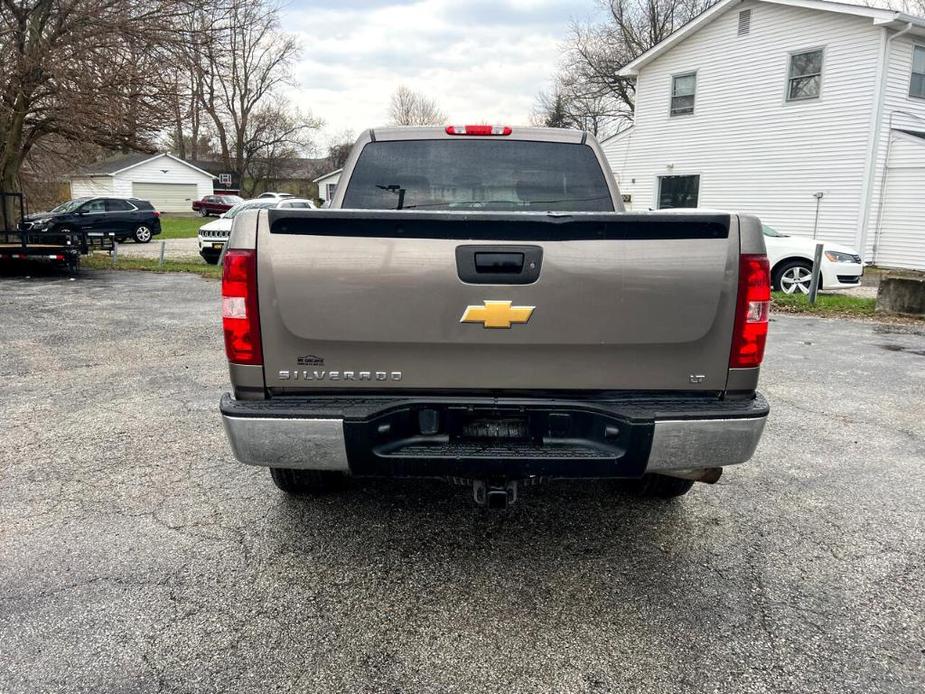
(497,314)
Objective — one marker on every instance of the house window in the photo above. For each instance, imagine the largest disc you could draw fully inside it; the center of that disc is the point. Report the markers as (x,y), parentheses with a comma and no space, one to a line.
(678,191)
(805,80)
(683,88)
(917,86)
(331,188)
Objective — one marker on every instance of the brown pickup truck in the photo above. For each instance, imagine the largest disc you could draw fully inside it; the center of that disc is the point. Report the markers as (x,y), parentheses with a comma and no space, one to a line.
(476,306)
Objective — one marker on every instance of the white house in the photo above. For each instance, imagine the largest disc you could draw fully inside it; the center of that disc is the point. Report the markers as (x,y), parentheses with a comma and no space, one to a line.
(327,184)
(807,113)
(169,183)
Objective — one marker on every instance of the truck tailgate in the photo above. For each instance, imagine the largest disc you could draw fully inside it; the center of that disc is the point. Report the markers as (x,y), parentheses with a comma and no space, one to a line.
(416,300)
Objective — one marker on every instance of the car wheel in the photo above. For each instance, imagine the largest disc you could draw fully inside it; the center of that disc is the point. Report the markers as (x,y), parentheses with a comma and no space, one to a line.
(302,482)
(794,277)
(211,258)
(653,486)
(142,234)
(203,212)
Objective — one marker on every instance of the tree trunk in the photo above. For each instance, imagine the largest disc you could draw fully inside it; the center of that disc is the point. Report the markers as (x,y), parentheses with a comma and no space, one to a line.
(9,204)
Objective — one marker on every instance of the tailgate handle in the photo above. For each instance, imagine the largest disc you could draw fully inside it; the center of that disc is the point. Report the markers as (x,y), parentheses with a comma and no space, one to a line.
(497,264)
(503,263)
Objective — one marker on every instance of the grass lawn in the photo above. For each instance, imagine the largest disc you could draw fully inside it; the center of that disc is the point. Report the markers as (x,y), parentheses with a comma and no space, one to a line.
(104,262)
(827,305)
(175,227)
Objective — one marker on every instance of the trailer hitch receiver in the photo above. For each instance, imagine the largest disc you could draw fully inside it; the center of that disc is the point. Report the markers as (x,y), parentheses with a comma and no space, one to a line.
(495,495)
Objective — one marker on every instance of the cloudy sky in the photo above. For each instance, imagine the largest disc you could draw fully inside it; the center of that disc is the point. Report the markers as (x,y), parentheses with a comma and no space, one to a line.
(481,60)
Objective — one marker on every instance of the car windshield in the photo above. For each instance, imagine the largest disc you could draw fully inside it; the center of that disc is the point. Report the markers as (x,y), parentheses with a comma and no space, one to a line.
(70,205)
(516,175)
(770,231)
(231,199)
(251,205)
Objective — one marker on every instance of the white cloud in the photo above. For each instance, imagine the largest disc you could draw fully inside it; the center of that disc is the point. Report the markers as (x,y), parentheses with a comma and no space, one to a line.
(480,60)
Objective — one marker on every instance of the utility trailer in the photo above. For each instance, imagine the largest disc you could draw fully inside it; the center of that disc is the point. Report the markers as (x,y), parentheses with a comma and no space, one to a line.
(64,247)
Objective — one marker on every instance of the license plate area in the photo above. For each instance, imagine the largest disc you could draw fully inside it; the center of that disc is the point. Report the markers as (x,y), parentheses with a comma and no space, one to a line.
(437,440)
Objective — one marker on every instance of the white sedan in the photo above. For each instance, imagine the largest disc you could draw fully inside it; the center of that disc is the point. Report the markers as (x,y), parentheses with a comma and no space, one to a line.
(212,236)
(791,260)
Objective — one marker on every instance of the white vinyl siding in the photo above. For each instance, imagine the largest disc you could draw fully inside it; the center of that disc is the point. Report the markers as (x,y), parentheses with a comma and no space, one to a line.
(91,186)
(900,112)
(899,239)
(755,152)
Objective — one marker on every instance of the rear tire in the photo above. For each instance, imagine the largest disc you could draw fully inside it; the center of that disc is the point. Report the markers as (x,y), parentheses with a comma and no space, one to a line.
(653,486)
(203,212)
(308,482)
(142,234)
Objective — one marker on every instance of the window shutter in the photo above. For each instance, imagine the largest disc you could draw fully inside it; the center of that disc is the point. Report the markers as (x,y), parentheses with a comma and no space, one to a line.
(745,22)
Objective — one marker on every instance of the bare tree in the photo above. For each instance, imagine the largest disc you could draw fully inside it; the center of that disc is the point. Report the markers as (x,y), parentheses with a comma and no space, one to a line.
(413,108)
(88,71)
(339,149)
(241,71)
(592,95)
(278,135)
(568,105)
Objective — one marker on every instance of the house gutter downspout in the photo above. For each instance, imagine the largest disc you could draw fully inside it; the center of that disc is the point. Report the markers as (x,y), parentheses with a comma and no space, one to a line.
(882,73)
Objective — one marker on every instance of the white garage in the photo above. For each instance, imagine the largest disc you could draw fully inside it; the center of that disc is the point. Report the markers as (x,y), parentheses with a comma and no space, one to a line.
(899,232)
(327,185)
(166,181)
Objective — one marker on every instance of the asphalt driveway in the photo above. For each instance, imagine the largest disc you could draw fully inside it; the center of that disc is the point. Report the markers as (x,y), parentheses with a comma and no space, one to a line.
(136,556)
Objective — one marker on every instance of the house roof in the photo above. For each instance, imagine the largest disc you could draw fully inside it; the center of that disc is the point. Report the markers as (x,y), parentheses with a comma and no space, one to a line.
(115,165)
(107,167)
(879,17)
(327,175)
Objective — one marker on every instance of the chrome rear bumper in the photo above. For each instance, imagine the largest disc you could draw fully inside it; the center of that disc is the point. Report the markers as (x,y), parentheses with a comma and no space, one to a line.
(301,444)
(696,443)
(320,442)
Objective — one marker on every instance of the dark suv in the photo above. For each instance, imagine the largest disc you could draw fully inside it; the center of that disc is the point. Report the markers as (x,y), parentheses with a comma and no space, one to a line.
(127,218)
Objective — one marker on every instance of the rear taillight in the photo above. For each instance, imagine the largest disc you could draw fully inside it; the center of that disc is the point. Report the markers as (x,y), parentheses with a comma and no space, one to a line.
(478,130)
(157,213)
(240,318)
(752,307)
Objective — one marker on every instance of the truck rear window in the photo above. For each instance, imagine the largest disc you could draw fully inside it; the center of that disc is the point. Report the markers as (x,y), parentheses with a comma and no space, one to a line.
(460,174)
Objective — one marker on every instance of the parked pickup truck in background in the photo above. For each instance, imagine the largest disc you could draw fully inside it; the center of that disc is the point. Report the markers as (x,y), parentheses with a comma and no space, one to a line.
(476,306)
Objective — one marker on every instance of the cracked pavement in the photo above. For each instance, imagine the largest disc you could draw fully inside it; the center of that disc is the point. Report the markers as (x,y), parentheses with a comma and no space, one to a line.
(137,556)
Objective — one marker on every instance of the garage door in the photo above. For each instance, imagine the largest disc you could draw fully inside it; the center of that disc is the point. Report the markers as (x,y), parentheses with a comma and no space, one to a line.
(900,235)
(167,197)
